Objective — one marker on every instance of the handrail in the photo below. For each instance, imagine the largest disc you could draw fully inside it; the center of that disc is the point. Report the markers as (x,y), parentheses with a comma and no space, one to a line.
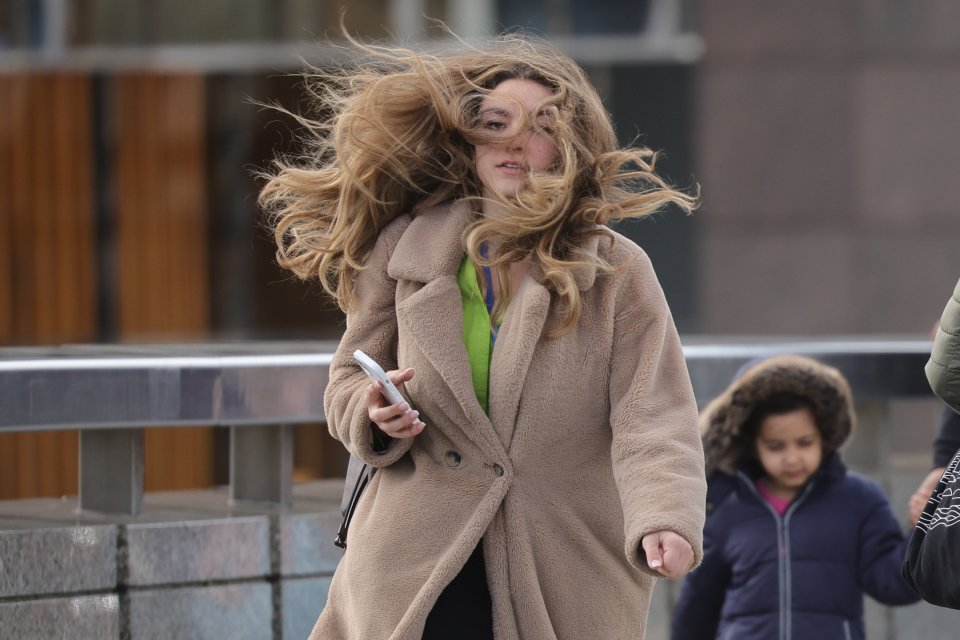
(259,389)
(110,386)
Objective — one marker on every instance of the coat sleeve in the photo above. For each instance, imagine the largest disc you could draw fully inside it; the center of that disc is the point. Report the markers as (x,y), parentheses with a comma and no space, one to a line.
(947,442)
(882,548)
(656,453)
(696,615)
(943,368)
(372,327)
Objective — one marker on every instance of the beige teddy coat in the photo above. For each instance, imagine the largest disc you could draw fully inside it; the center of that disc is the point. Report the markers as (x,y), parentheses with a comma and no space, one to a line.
(591,443)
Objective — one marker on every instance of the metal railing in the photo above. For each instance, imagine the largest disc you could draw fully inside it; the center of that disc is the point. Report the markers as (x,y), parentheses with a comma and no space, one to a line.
(259,390)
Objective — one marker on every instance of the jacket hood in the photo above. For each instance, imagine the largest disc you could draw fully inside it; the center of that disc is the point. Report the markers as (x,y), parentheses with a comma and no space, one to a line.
(723,419)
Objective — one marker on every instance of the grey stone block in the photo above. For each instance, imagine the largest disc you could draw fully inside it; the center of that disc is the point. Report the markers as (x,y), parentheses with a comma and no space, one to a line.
(305,542)
(909,27)
(303,600)
(197,551)
(908,145)
(235,611)
(760,143)
(923,620)
(757,29)
(36,558)
(81,618)
(661,609)
(771,283)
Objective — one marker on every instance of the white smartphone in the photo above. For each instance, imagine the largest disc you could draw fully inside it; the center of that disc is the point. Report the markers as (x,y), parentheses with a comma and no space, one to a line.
(375,372)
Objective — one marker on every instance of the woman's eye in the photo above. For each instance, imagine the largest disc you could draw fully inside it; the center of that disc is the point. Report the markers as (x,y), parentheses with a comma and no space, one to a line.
(494,125)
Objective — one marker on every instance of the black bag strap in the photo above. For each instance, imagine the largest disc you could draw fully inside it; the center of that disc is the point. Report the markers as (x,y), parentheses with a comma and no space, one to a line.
(363,474)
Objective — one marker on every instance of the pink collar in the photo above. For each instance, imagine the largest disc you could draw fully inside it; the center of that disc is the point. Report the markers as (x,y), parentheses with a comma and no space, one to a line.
(778,503)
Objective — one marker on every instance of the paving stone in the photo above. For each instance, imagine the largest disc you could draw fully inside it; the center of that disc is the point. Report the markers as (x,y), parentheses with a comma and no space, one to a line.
(93,617)
(236,611)
(197,551)
(37,558)
(303,600)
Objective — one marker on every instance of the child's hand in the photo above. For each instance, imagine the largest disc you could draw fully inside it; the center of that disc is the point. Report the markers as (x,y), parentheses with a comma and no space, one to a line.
(919,498)
(668,553)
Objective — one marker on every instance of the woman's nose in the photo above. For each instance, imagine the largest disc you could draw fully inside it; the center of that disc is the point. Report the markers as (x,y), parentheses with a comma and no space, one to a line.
(520,139)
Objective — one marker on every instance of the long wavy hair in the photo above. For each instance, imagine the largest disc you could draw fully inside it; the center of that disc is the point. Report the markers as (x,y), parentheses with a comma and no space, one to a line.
(395,133)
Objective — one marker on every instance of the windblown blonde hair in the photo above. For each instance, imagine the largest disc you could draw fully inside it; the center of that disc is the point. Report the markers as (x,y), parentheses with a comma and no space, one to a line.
(395,135)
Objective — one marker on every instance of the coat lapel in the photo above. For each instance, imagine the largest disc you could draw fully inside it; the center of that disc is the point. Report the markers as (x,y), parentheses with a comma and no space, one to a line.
(517,340)
(429,252)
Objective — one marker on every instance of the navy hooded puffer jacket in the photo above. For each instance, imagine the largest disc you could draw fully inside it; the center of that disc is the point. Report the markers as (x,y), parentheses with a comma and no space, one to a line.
(802,575)
(839,539)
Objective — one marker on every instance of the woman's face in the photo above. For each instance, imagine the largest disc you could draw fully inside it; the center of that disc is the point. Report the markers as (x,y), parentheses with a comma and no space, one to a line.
(503,164)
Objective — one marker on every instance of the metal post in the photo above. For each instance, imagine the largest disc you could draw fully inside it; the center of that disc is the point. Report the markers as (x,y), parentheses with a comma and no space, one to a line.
(261,464)
(111,470)
(56,18)
(406,19)
(472,18)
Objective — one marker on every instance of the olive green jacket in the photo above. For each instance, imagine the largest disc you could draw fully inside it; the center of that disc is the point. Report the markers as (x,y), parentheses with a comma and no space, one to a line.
(943,368)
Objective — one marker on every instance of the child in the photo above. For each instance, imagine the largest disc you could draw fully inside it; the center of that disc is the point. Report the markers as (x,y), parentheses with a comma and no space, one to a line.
(793,539)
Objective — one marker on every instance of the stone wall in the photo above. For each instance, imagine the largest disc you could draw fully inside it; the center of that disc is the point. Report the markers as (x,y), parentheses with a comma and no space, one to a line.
(827,147)
(191,566)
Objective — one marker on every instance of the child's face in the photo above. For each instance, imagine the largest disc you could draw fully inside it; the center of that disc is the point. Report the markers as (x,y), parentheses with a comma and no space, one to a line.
(790,449)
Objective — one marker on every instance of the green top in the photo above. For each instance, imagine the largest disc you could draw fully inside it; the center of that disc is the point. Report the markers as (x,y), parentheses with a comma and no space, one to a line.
(476,330)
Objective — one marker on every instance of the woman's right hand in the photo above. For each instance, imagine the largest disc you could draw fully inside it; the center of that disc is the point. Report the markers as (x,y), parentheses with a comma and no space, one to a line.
(395,420)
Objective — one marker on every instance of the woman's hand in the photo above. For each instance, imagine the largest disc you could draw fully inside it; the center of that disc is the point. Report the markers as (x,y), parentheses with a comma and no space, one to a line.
(919,498)
(395,420)
(668,553)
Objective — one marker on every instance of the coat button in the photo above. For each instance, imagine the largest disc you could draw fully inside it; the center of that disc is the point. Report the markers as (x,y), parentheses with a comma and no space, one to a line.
(453,459)
(497,469)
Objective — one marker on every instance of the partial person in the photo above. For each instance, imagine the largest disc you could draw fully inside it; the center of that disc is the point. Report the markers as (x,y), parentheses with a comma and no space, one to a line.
(945,445)
(932,563)
(793,538)
(546,468)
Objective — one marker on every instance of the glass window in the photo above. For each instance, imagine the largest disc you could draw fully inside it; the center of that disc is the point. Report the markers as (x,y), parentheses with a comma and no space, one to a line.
(169,22)
(575,17)
(21,24)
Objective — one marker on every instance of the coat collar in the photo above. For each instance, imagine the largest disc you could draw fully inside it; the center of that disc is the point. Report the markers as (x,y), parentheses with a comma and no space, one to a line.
(430,253)
(431,247)
(831,471)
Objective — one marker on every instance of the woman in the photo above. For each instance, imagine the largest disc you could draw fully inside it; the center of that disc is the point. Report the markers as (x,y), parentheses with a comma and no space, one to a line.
(454,206)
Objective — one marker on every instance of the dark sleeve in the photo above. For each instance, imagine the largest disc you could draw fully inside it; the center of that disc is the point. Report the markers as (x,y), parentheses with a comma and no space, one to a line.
(882,548)
(696,615)
(947,441)
(932,561)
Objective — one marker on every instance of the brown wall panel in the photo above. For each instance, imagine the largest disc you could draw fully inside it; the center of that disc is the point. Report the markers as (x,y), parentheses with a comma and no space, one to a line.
(163,275)
(48,245)
(6,210)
